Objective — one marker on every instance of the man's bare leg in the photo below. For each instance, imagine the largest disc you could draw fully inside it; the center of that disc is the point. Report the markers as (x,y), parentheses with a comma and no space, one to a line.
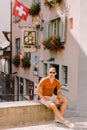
(61,118)
(56,112)
(64,103)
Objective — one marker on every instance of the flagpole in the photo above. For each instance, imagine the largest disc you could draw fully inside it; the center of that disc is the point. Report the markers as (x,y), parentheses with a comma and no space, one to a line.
(11,36)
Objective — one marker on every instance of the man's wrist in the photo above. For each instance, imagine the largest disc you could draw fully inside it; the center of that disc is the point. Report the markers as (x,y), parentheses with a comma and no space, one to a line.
(42,97)
(59,96)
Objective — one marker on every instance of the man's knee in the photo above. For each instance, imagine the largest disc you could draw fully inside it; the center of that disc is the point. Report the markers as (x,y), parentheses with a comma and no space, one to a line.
(64,100)
(52,105)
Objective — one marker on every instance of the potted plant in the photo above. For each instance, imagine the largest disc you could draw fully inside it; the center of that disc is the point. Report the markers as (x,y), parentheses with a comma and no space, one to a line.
(53,43)
(26,62)
(35,9)
(52,3)
(16,60)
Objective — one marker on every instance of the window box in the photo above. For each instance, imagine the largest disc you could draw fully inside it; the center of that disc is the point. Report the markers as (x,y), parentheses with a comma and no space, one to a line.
(35,9)
(53,43)
(26,62)
(52,3)
(16,61)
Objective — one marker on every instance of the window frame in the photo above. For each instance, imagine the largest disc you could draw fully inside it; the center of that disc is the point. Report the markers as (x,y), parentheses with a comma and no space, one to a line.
(35,1)
(63,76)
(17,46)
(54,27)
(61,28)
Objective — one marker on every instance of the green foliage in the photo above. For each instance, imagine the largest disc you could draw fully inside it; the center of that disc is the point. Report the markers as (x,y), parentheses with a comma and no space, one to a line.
(26,62)
(35,9)
(52,3)
(53,43)
(16,60)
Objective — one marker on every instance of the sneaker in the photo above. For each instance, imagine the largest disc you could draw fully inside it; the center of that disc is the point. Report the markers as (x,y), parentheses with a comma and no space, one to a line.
(57,120)
(69,124)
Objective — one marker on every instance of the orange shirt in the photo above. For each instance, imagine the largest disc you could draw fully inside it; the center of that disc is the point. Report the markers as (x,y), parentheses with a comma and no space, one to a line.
(48,87)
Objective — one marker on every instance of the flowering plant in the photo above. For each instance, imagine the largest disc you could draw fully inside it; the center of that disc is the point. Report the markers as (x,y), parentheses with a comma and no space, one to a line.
(35,9)
(53,43)
(26,62)
(51,3)
(16,60)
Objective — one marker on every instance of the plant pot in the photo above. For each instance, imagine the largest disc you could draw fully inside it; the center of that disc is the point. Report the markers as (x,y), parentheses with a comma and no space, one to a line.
(16,61)
(35,9)
(26,63)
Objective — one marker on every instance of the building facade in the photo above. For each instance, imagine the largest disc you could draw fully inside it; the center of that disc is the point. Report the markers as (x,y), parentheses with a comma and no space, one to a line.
(60,24)
(4,47)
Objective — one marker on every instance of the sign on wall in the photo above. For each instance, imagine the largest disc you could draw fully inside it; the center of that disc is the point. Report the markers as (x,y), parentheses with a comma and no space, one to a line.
(29,40)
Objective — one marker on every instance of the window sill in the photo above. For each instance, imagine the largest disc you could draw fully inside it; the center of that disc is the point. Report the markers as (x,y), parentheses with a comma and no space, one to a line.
(65,87)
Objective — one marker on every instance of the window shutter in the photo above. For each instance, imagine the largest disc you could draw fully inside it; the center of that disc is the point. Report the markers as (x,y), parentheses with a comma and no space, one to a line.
(16,19)
(62,28)
(50,29)
(38,36)
(46,31)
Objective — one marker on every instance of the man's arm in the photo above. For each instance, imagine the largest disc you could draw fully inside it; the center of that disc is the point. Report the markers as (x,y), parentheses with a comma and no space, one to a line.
(39,92)
(59,92)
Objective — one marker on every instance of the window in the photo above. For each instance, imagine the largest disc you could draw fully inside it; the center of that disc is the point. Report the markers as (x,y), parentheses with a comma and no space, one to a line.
(16,19)
(27,87)
(45,70)
(17,46)
(27,55)
(64,75)
(38,36)
(71,23)
(21,85)
(36,1)
(55,27)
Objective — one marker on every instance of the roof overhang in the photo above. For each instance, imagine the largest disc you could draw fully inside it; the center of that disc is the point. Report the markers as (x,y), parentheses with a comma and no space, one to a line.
(7,35)
(5,44)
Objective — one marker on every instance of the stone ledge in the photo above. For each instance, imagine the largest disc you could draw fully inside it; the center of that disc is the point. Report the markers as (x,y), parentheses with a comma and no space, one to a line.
(18,103)
(23,112)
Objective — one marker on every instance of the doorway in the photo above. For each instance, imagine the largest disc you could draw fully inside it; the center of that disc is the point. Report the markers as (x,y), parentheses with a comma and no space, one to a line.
(57,70)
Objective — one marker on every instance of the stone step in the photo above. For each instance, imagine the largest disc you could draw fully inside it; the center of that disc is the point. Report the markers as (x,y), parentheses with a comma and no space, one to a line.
(23,112)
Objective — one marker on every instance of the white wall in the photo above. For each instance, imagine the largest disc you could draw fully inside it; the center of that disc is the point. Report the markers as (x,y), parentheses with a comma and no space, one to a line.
(4,18)
(82,76)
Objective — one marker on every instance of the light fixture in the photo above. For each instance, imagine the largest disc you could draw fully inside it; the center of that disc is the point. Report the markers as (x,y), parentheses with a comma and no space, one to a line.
(38,22)
(50,59)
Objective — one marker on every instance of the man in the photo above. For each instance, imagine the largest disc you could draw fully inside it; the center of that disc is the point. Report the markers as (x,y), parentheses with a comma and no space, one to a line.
(45,91)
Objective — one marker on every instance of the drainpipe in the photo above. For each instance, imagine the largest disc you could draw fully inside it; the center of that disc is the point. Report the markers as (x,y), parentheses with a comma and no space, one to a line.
(11,37)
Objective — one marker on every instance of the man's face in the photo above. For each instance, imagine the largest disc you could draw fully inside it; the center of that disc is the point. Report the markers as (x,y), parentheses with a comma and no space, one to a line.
(52,72)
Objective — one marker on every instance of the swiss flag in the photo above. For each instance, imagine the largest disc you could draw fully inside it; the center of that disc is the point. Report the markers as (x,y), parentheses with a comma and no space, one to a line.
(20,10)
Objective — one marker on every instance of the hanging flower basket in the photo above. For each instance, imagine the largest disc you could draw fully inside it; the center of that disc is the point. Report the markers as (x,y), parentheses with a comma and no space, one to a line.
(35,9)
(16,60)
(26,63)
(53,43)
(52,3)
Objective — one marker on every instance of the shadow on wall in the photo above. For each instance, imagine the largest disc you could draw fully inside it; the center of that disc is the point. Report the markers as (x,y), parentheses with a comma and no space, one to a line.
(79,79)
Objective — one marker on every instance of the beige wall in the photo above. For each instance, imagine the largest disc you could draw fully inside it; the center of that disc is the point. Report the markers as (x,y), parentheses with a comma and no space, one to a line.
(69,56)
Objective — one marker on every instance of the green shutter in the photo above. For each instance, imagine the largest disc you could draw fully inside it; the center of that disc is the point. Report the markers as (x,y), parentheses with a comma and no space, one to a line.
(46,30)
(50,29)
(62,28)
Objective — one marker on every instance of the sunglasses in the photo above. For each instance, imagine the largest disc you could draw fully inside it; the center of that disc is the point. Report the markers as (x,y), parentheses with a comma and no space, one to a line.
(52,72)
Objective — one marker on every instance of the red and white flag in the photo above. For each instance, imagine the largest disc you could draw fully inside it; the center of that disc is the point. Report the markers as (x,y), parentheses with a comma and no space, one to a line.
(20,10)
